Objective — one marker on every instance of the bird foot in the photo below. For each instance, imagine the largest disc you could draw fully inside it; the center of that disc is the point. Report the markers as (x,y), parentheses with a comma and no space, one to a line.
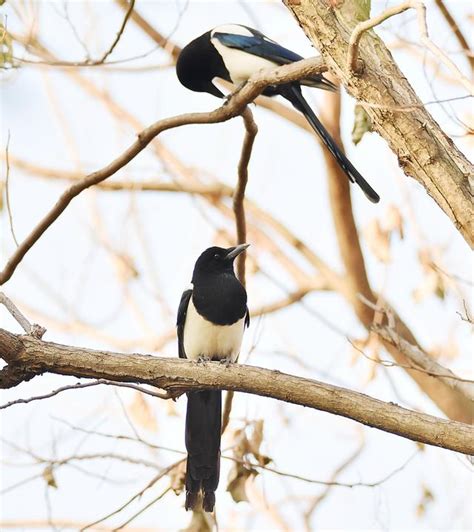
(203,360)
(233,93)
(227,361)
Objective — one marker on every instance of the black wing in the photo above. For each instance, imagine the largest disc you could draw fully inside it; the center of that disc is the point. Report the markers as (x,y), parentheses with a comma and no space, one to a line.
(182,309)
(259,45)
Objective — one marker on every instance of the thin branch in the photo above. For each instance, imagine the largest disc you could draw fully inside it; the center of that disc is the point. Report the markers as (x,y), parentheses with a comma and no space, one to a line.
(32,329)
(165,395)
(251,130)
(119,33)
(135,515)
(232,108)
(239,194)
(362,27)
(152,482)
(426,363)
(457,31)
(7,188)
(340,469)
(174,374)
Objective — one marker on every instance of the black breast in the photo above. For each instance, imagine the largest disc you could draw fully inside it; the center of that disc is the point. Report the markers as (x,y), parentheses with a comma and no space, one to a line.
(221,299)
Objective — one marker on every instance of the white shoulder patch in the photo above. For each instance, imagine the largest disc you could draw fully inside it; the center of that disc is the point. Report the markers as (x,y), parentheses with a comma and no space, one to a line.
(234,29)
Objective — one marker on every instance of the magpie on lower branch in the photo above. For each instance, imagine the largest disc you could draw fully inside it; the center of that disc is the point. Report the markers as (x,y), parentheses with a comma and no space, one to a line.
(211,321)
(234,52)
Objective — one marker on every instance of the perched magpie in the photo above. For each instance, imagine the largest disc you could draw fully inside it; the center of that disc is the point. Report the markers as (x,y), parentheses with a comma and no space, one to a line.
(234,52)
(211,321)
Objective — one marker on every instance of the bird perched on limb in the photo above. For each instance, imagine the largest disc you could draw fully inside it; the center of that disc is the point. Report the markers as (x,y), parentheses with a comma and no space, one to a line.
(234,52)
(211,320)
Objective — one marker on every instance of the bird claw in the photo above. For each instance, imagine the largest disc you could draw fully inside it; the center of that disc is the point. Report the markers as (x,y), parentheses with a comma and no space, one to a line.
(227,361)
(203,360)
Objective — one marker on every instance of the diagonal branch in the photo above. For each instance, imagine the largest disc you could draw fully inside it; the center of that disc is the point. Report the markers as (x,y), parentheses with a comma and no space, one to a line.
(176,375)
(232,108)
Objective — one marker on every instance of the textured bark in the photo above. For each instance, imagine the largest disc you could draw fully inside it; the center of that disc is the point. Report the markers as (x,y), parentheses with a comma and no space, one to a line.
(423,150)
(173,374)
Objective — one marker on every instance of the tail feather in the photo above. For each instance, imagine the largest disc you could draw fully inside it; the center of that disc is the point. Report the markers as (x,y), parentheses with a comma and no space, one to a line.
(293,94)
(203,441)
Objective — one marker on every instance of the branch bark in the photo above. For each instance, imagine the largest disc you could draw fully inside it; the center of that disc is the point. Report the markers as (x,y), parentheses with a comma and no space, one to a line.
(423,150)
(177,375)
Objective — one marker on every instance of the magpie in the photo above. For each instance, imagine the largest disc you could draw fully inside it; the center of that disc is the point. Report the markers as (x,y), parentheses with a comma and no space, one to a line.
(211,321)
(234,52)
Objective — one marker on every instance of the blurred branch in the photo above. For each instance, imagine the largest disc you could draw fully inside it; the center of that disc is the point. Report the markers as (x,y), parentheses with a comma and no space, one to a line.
(173,49)
(232,108)
(340,469)
(457,32)
(424,151)
(424,361)
(362,27)
(138,495)
(177,375)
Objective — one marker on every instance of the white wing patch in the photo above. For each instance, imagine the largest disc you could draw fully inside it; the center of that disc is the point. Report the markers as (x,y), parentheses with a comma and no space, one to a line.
(240,65)
(204,339)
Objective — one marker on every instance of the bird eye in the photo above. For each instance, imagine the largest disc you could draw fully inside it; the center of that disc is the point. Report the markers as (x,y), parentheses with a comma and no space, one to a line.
(216,256)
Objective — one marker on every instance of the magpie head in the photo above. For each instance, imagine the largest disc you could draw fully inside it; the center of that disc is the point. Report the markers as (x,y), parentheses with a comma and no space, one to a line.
(198,64)
(217,260)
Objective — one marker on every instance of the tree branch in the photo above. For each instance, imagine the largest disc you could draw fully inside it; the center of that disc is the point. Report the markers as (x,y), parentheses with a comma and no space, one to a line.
(232,108)
(423,150)
(178,375)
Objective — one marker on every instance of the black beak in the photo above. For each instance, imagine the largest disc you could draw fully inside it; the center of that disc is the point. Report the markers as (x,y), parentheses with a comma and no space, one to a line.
(233,252)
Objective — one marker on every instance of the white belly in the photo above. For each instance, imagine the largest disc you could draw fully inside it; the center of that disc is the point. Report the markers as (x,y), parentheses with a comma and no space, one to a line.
(204,339)
(239,64)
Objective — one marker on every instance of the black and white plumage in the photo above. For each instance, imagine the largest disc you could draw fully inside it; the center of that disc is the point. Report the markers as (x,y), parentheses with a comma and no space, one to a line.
(211,320)
(234,52)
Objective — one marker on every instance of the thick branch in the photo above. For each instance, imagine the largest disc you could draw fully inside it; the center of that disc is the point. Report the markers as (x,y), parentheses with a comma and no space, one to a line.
(176,375)
(423,150)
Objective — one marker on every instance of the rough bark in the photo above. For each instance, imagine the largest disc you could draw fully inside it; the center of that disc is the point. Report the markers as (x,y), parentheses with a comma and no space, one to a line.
(423,150)
(174,374)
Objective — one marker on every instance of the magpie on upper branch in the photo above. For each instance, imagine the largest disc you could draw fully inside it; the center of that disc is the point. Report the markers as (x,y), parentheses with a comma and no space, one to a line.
(234,52)
(211,321)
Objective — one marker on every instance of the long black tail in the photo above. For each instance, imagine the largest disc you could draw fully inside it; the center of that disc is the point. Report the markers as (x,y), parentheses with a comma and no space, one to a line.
(293,94)
(203,443)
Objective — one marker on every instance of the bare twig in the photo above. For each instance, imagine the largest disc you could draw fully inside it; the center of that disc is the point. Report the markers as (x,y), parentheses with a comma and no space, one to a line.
(151,483)
(164,395)
(32,329)
(426,363)
(135,515)
(362,27)
(7,188)
(119,33)
(319,498)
